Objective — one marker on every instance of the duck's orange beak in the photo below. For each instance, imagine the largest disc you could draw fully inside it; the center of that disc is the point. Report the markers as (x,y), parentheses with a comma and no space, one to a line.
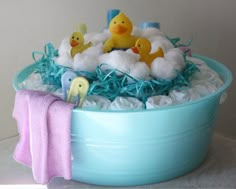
(135,50)
(74,43)
(119,29)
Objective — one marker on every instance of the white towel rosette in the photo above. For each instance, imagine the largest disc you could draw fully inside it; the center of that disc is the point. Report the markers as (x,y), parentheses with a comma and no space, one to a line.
(96,102)
(158,101)
(126,103)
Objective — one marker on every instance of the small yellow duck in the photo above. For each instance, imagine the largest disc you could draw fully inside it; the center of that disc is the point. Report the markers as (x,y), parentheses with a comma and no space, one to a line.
(143,48)
(120,28)
(77,44)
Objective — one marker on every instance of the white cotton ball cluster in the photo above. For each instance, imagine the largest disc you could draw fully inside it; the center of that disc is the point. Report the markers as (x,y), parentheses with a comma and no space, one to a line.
(162,42)
(119,60)
(96,38)
(84,62)
(176,57)
(151,32)
(167,67)
(129,51)
(96,102)
(158,101)
(137,32)
(139,71)
(64,46)
(126,103)
(155,36)
(95,50)
(125,62)
(64,60)
(64,57)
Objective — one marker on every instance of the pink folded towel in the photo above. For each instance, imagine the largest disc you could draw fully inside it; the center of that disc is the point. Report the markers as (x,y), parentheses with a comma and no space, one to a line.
(43,122)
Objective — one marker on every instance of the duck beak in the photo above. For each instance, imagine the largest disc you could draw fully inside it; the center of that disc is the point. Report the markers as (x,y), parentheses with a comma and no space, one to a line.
(135,50)
(74,43)
(119,29)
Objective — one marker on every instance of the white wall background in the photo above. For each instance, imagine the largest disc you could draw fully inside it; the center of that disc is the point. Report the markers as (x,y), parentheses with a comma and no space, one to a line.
(26,25)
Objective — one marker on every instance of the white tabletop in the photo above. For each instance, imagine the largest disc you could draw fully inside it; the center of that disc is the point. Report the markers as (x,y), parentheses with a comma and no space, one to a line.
(218,170)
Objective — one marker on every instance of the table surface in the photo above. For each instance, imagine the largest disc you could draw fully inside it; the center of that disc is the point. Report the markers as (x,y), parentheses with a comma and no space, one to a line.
(217,171)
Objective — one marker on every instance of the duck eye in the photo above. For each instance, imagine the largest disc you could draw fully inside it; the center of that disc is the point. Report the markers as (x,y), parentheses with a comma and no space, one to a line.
(114,22)
(70,79)
(123,22)
(77,38)
(80,85)
(139,45)
(73,37)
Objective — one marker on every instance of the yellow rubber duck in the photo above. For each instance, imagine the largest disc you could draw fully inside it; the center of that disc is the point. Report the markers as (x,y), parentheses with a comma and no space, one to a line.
(77,44)
(120,28)
(143,48)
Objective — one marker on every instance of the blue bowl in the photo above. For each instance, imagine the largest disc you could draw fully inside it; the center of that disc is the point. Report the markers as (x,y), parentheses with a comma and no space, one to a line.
(142,147)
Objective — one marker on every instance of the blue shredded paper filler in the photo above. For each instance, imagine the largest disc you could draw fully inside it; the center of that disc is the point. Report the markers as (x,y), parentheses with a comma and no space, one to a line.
(107,82)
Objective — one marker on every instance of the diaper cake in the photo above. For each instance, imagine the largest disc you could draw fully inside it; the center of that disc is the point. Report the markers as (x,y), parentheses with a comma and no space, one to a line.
(124,106)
